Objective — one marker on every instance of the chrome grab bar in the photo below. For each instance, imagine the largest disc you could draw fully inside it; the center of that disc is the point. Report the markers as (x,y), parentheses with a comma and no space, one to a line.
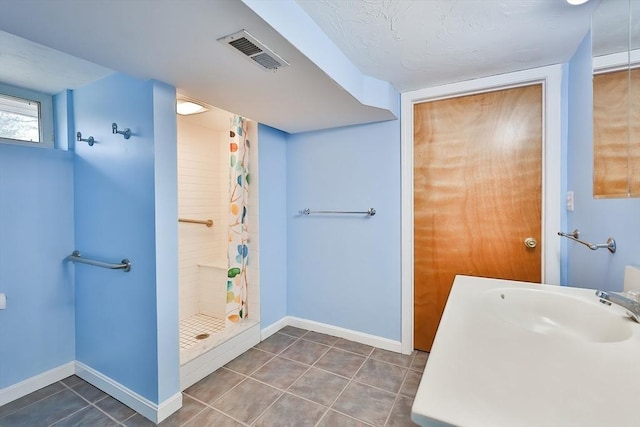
(370,212)
(611,243)
(207,222)
(76,257)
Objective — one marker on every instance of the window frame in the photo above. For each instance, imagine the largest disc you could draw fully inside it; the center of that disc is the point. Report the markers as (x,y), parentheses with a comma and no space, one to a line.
(45,116)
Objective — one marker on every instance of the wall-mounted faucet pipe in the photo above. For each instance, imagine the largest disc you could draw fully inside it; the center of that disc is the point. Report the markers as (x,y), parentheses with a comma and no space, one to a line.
(126,133)
(632,307)
(611,243)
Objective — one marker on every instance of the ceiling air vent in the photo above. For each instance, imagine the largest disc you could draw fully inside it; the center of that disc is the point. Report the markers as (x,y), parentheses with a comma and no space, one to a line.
(252,48)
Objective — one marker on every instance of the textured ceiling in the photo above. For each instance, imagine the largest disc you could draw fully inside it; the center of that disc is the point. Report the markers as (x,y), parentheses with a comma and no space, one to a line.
(411,44)
(415,44)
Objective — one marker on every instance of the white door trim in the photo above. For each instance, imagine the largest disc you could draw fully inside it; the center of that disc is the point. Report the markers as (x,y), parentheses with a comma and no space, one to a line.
(553,141)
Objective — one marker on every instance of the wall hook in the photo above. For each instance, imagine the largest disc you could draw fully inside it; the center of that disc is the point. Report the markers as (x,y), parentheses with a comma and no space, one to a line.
(89,140)
(126,133)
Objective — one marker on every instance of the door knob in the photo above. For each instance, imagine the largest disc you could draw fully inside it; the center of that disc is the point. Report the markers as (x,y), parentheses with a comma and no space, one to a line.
(530,242)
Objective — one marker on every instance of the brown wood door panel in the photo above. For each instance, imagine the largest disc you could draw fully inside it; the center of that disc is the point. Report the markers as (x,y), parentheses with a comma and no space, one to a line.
(477,195)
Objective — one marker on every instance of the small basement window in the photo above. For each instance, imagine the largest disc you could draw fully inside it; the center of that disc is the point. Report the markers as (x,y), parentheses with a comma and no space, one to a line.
(20,119)
(26,117)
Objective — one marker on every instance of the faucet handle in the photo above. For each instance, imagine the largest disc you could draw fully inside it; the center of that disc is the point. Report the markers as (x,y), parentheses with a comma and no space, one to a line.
(632,307)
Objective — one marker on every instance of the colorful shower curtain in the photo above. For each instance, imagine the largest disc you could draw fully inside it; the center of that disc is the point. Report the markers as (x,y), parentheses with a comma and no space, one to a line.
(238,249)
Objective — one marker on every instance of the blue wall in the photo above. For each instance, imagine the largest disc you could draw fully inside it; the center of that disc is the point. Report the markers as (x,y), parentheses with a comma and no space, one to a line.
(339,270)
(115,213)
(273,224)
(597,219)
(345,270)
(36,234)
(63,120)
(166,232)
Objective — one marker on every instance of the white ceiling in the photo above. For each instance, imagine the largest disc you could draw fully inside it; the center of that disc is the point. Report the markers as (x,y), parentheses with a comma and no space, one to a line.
(42,69)
(612,25)
(411,44)
(416,44)
(214,118)
(175,42)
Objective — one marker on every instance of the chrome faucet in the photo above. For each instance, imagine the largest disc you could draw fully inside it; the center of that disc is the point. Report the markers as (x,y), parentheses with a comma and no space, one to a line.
(633,307)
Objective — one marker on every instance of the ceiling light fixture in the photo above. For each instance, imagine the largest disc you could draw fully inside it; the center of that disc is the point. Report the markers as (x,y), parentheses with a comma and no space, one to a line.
(576,2)
(188,107)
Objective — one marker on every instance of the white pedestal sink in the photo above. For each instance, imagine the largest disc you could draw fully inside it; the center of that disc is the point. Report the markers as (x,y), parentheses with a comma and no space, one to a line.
(519,354)
(553,313)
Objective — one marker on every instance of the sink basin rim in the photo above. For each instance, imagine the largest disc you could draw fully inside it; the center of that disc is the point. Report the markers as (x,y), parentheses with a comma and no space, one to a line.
(558,314)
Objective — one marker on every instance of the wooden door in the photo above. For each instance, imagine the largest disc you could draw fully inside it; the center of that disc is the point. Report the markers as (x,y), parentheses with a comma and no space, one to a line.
(477,195)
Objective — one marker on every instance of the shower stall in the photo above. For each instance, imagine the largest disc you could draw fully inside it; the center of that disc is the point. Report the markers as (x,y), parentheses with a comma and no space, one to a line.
(205,212)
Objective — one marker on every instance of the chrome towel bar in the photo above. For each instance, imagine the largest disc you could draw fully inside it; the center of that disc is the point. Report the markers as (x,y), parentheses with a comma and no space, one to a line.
(611,243)
(207,222)
(76,257)
(307,211)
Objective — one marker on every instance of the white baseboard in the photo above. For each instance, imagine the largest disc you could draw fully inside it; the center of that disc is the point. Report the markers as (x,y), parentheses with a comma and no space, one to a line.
(18,390)
(203,365)
(140,404)
(336,331)
(169,406)
(191,372)
(273,328)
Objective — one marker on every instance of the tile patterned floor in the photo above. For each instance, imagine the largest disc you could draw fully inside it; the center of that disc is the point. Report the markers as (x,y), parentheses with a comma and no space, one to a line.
(294,378)
(196,325)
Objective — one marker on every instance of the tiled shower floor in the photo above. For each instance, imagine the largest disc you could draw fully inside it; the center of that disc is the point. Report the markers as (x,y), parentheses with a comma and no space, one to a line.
(196,325)
(294,378)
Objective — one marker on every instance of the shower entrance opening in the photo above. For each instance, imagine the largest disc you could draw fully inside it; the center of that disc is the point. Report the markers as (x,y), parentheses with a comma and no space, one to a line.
(214,224)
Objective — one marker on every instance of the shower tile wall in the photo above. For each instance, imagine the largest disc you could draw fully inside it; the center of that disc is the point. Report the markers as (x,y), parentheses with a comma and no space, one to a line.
(203,179)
